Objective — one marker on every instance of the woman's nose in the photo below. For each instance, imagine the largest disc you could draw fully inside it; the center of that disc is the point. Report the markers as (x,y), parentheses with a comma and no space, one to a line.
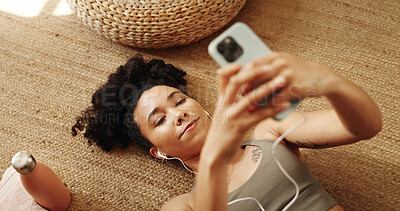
(181,116)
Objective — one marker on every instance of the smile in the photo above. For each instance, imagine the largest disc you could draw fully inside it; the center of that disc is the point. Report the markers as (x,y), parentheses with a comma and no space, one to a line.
(189,127)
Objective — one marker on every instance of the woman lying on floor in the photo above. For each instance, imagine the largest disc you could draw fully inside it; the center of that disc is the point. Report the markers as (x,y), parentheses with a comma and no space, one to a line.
(144,103)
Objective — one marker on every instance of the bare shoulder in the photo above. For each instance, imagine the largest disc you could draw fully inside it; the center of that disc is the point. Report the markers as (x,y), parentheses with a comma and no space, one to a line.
(184,202)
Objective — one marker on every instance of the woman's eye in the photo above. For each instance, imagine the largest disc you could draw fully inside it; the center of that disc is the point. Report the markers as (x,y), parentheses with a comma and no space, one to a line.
(181,101)
(160,121)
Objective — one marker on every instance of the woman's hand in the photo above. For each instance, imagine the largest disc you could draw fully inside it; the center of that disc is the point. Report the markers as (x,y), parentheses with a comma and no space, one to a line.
(235,115)
(232,118)
(302,79)
(291,79)
(346,123)
(280,73)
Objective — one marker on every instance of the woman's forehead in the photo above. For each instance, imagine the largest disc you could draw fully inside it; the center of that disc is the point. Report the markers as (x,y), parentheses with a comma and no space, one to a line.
(155,95)
(151,99)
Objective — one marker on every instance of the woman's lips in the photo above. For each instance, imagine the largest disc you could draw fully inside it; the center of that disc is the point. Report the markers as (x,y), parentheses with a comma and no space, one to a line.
(189,127)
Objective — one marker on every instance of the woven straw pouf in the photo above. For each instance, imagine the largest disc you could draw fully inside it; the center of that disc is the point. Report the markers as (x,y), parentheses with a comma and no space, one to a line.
(156,23)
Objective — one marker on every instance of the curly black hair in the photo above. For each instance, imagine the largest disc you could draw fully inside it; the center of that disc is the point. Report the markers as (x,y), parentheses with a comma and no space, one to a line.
(109,121)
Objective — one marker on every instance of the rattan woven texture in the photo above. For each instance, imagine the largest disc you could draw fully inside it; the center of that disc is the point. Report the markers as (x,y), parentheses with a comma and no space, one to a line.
(156,24)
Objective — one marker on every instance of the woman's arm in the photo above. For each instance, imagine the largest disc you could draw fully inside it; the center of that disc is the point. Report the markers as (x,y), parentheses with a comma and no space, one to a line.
(182,202)
(211,188)
(232,119)
(355,109)
(354,115)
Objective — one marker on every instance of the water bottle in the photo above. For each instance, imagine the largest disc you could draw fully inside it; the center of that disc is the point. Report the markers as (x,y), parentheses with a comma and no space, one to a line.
(41,182)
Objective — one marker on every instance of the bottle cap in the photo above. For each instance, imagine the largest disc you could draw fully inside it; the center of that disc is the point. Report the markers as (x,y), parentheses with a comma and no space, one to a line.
(23,162)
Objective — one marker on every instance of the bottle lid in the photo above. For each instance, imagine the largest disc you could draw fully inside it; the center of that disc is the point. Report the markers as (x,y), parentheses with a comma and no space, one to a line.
(23,162)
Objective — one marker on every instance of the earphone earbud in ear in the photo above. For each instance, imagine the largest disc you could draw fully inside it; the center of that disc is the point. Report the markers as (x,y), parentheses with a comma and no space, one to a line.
(161,155)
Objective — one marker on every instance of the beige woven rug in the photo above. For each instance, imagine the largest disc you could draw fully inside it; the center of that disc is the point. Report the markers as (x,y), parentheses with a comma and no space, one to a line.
(51,64)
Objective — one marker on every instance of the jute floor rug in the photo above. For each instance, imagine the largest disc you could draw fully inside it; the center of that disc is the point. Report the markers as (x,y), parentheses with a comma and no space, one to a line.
(50,66)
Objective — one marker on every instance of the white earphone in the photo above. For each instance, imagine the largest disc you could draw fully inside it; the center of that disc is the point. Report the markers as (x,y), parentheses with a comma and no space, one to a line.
(278,140)
(175,158)
(208,114)
(161,155)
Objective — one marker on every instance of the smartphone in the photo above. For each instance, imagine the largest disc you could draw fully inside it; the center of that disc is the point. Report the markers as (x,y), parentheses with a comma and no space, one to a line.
(241,45)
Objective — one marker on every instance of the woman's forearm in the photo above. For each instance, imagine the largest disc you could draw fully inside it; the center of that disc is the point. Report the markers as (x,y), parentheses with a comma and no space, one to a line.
(356,110)
(211,187)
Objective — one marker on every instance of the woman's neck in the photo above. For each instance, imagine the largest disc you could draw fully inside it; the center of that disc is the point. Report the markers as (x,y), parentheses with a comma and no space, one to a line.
(193,162)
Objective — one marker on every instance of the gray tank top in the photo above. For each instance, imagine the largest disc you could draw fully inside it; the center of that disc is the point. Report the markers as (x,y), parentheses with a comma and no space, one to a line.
(272,188)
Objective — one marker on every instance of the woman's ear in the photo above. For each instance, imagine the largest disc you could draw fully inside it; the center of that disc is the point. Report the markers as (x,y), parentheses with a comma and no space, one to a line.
(154,151)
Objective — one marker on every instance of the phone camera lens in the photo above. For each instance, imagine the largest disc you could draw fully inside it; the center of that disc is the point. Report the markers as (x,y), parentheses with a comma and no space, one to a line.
(221,48)
(229,43)
(230,49)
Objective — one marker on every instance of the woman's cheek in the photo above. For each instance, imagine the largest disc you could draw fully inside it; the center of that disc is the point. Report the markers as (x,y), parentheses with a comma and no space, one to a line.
(166,134)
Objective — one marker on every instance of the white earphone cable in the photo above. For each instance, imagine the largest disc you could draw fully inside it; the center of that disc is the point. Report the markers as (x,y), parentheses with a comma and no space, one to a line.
(274,145)
(278,140)
(172,158)
(247,198)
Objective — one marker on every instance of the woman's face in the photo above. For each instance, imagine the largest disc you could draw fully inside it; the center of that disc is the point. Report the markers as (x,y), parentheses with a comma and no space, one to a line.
(173,122)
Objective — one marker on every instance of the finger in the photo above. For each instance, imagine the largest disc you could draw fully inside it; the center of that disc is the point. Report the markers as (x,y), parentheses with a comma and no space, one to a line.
(272,70)
(247,79)
(225,73)
(290,93)
(251,77)
(260,93)
(259,71)
(267,112)
(231,90)
(255,76)
(241,81)
(267,59)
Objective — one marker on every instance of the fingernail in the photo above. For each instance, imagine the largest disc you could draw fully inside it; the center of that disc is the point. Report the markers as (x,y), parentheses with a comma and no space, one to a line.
(245,67)
(279,80)
(284,106)
(287,105)
(266,68)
